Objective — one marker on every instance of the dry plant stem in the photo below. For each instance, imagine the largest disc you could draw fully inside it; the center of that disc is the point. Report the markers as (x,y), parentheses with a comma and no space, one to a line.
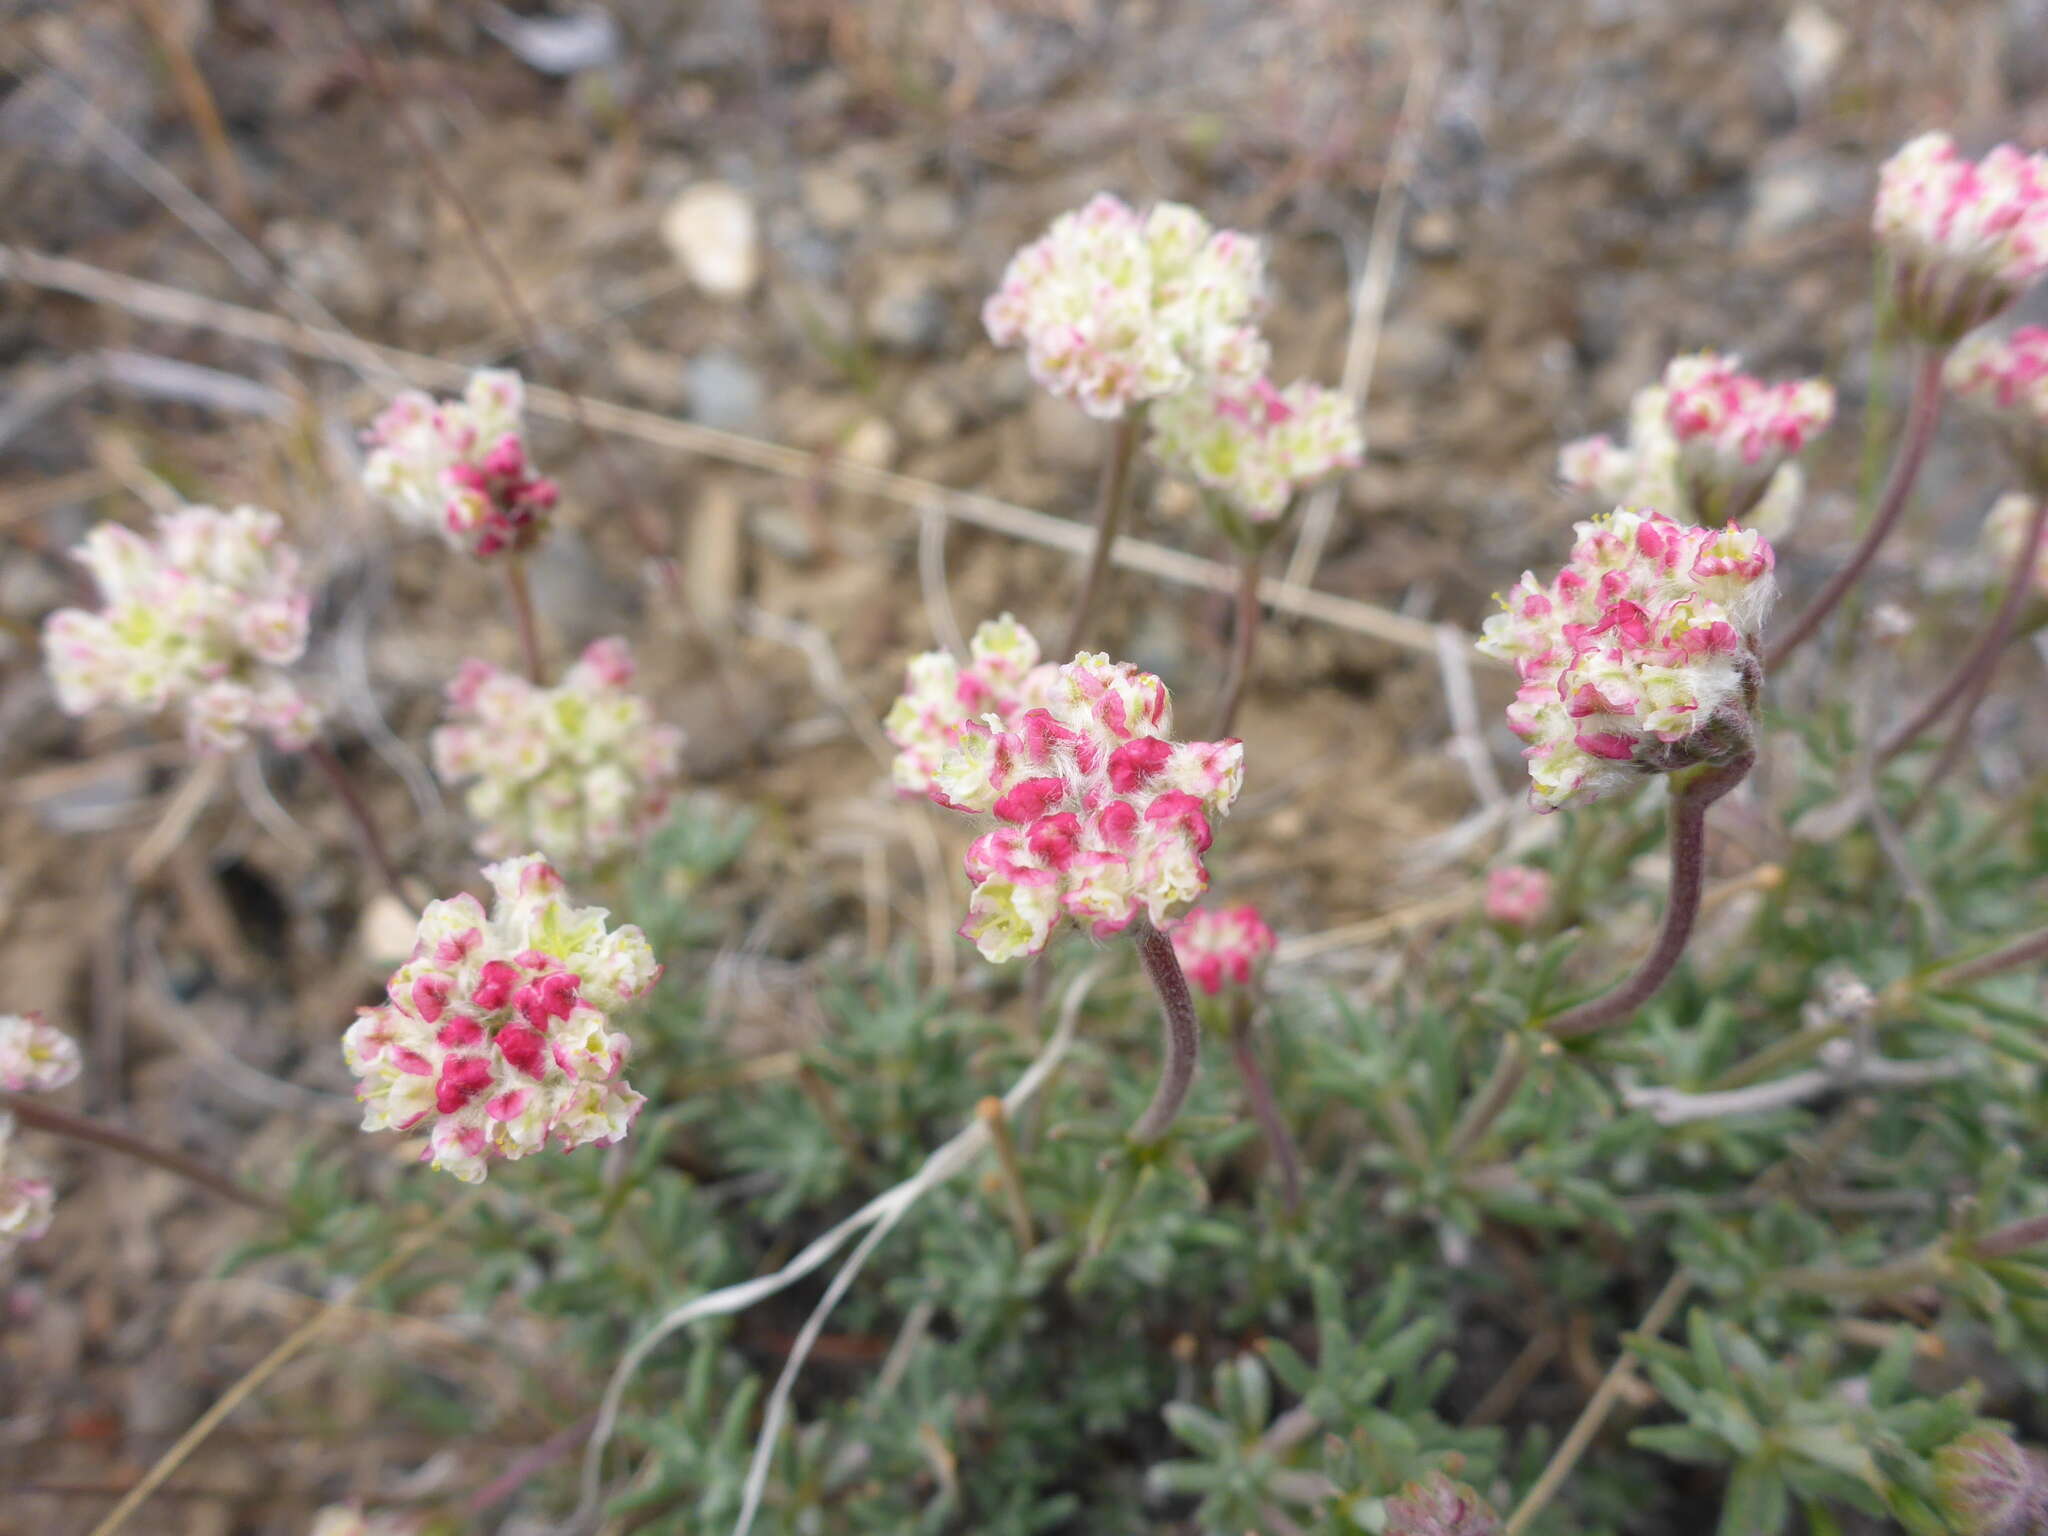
(1183,1035)
(1109,514)
(1244,640)
(2027,951)
(1965,684)
(1265,1108)
(1010,1172)
(40,1116)
(1921,416)
(520,594)
(1689,803)
(372,840)
(264,1369)
(1618,1376)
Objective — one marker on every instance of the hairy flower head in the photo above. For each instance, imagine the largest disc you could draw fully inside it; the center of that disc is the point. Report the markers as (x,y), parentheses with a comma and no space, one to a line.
(1100,815)
(1255,446)
(35,1055)
(1989,1485)
(1967,237)
(1638,656)
(497,1036)
(581,770)
(1222,947)
(1002,676)
(2005,378)
(1114,308)
(202,617)
(27,1197)
(460,467)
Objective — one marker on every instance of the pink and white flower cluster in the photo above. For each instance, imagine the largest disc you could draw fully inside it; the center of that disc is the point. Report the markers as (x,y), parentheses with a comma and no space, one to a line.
(580,771)
(1256,446)
(1114,308)
(1223,947)
(1639,657)
(2006,378)
(1101,816)
(2005,529)
(35,1055)
(1968,236)
(1706,444)
(203,617)
(27,1197)
(1517,895)
(498,1034)
(1002,676)
(460,468)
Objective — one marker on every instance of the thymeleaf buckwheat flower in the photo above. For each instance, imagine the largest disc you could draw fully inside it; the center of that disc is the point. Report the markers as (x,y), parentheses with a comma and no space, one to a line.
(1002,676)
(498,1034)
(1114,309)
(460,467)
(1517,895)
(1967,237)
(1222,947)
(1253,445)
(1639,657)
(2006,379)
(1706,444)
(581,770)
(35,1055)
(1101,816)
(27,1198)
(203,618)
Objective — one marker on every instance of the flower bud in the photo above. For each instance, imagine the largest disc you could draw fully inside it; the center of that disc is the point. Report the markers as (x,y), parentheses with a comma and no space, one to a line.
(1517,895)
(1223,948)
(1440,1506)
(497,1036)
(1989,1485)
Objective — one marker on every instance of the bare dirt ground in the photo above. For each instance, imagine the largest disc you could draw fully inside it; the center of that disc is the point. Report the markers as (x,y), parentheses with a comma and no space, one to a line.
(1593,187)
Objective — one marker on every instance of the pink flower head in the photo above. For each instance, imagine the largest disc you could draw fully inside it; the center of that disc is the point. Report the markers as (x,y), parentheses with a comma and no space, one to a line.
(497,1035)
(460,468)
(27,1197)
(202,618)
(2006,379)
(1100,816)
(1706,444)
(1639,657)
(35,1055)
(1002,676)
(1255,446)
(581,770)
(1967,237)
(1114,308)
(1222,947)
(1517,895)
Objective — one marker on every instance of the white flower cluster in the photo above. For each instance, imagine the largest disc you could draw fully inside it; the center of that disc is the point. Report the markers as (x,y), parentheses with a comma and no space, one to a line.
(203,618)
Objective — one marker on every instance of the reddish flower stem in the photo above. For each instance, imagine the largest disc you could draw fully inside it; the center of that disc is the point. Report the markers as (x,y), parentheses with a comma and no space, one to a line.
(1922,413)
(1962,686)
(1265,1107)
(1243,640)
(520,594)
(1690,798)
(372,840)
(40,1116)
(1183,1035)
(1113,493)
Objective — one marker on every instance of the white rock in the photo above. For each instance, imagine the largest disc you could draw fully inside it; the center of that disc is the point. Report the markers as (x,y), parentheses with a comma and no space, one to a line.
(1810,47)
(712,230)
(387,931)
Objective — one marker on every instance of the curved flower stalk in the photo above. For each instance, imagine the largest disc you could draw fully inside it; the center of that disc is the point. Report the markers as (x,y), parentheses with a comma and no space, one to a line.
(35,1055)
(1102,818)
(202,617)
(581,771)
(1224,951)
(28,1200)
(1966,238)
(1707,444)
(1252,449)
(497,1036)
(2006,380)
(1639,658)
(1002,676)
(1115,309)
